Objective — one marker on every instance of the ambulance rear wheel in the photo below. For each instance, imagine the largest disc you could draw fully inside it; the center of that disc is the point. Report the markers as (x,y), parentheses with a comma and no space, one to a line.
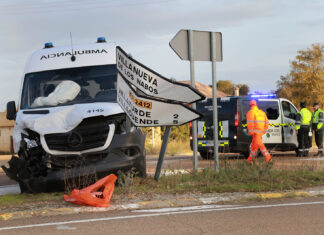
(206,155)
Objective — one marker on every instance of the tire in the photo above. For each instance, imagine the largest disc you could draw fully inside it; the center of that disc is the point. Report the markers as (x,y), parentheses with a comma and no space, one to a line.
(23,188)
(141,167)
(206,155)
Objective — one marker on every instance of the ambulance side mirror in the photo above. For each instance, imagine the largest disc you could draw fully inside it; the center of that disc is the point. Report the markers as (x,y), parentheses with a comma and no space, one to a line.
(11,110)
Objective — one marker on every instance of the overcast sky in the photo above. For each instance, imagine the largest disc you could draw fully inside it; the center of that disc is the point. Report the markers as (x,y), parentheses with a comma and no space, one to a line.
(259,37)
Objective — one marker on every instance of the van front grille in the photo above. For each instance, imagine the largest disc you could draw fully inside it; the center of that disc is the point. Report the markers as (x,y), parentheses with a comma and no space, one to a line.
(90,133)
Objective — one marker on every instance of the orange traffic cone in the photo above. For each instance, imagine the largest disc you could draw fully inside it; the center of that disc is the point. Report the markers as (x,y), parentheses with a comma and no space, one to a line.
(90,195)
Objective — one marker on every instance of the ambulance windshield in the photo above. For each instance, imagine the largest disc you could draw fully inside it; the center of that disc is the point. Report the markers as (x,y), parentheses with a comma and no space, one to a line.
(69,86)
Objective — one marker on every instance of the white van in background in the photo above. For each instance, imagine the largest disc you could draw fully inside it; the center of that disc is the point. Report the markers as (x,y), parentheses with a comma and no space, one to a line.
(233,135)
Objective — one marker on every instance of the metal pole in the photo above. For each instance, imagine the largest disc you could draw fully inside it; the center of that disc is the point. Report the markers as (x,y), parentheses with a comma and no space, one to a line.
(162,153)
(192,79)
(153,137)
(215,120)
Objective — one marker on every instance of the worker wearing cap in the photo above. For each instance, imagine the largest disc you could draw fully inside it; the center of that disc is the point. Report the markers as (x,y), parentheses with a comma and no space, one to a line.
(303,121)
(317,127)
(257,124)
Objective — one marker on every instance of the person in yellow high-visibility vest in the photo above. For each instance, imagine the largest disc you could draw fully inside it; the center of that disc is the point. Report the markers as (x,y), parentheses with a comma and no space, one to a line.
(303,121)
(257,124)
(318,127)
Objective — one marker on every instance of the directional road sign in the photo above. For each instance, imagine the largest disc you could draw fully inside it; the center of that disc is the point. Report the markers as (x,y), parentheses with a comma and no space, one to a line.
(196,45)
(201,45)
(152,83)
(144,111)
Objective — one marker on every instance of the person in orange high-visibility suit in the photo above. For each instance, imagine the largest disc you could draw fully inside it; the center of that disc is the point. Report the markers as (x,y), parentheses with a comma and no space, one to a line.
(257,124)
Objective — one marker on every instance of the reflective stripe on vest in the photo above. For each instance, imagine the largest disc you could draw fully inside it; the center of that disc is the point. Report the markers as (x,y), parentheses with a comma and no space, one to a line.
(256,131)
(258,121)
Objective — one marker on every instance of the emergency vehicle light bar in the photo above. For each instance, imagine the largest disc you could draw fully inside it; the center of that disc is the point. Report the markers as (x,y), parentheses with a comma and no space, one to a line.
(48,45)
(101,39)
(263,96)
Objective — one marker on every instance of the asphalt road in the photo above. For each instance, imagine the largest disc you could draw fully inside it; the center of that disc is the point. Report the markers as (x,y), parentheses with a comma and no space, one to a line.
(4,180)
(285,216)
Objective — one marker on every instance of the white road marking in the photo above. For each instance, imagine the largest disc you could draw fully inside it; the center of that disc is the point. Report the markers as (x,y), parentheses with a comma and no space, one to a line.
(210,200)
(171,209)
(130,206)
(65,227)
(159,214)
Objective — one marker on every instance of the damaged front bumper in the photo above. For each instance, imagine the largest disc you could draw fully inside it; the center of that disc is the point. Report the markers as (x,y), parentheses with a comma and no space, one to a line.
(38,171)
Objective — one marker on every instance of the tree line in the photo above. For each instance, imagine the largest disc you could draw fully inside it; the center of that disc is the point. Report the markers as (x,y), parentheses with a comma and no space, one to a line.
(305,81)
(229,87)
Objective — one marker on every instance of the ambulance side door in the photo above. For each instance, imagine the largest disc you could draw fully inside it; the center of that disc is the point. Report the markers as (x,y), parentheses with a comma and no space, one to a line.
(289,113)
(271,108)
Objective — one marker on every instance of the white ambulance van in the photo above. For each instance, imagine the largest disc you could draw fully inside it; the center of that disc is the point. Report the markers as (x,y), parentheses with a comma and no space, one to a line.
(68,119)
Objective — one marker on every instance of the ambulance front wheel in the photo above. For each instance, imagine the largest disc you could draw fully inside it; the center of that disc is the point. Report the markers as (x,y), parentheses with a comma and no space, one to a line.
(141,166)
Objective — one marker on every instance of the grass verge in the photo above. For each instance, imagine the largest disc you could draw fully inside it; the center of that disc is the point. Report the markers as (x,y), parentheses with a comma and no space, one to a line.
(234,176)
(19,199)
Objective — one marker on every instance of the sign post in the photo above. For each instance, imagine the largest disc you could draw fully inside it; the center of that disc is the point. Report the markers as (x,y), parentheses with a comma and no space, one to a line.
(162,153)
(193,84)
(215,115)
(195,45)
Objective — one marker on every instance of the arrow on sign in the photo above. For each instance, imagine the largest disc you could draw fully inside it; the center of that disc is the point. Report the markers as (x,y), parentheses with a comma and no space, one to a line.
(152,83)
(144,111)
(201,45)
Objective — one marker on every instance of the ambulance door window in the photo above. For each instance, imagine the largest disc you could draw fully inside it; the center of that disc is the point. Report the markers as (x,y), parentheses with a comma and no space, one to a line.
(288,110)
(271,108)
(289,116)
(245,108)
